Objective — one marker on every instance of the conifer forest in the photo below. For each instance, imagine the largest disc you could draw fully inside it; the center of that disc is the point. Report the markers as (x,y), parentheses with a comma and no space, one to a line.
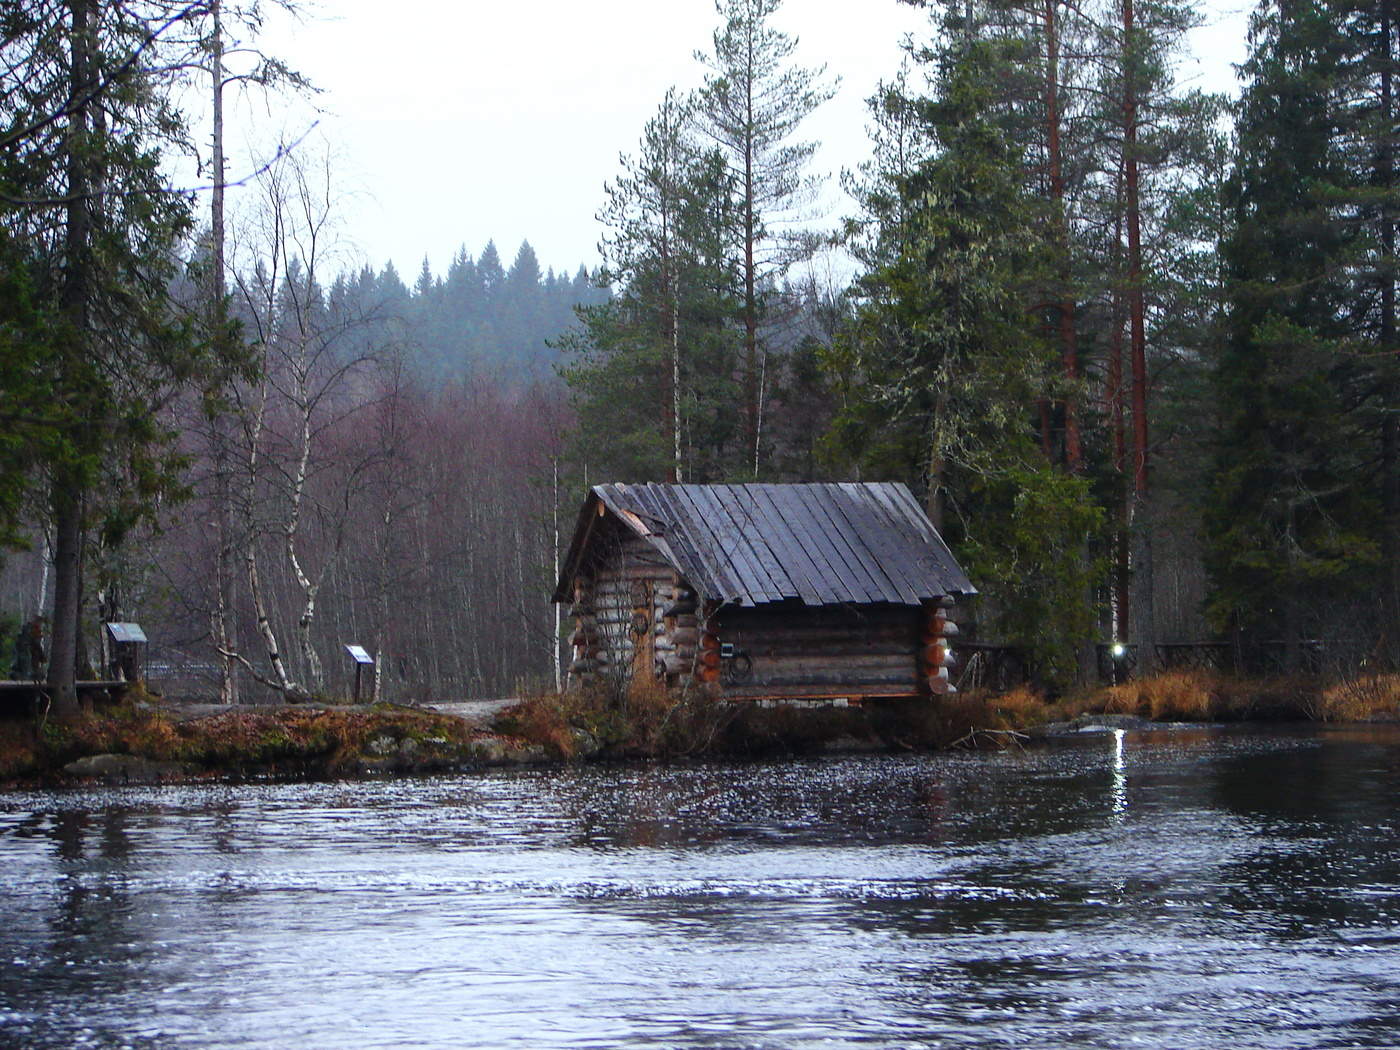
(1133,345)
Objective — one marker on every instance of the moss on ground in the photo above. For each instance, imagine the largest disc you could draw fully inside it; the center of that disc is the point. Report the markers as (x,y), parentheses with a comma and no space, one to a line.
(280,741)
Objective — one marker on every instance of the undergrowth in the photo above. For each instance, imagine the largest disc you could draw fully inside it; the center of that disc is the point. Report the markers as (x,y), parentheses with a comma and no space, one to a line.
(640,720)
(647,721)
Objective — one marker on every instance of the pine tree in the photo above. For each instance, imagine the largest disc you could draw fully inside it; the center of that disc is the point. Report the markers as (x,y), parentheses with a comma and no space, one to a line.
(669,327)
(752,105)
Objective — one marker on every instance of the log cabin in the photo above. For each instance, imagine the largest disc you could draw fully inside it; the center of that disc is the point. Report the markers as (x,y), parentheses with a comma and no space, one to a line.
(763,592)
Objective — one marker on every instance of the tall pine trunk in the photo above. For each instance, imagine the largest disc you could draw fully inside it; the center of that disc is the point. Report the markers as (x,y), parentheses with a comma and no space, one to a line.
(1122,561)
(1143,611)
(750,364)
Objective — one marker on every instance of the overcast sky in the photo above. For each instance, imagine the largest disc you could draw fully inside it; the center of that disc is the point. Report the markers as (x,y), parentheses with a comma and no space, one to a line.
(453,122)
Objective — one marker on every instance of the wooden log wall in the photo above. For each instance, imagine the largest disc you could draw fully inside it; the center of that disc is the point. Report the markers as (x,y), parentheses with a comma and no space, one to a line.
(633,615)
(789,650)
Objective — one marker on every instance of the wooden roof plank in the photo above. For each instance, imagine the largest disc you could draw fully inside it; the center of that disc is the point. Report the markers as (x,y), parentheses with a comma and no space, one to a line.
(916,535)
(911,532)
(872,528)
(711,578)
(852,554)
(676,539)
(733,585)
(801,570)
(869,528)
(863,547)
(797,519)
(745,513)
(954,579)
(734,540)
(740,512)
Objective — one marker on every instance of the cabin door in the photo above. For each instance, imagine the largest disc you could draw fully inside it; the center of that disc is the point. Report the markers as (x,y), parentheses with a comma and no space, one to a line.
(643,634)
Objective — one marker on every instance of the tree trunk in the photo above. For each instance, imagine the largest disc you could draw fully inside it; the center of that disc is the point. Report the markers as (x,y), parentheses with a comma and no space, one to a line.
(67,599)
(936,502)
(671,410)
(76,303)
(1067,308)
(556,662)
(226,579)
(1142,524)
(750,364)
(1122,568)
(1069,338)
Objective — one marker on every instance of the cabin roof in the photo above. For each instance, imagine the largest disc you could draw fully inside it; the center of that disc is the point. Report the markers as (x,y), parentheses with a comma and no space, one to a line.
(823,544)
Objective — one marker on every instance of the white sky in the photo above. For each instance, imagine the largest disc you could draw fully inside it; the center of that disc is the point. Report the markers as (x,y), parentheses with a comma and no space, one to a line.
(455,121)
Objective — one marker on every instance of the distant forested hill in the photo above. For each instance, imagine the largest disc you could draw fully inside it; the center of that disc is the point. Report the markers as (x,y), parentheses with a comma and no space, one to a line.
(479,319)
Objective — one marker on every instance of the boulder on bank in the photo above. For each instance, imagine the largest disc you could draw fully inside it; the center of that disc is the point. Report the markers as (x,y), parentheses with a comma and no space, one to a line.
(124,769)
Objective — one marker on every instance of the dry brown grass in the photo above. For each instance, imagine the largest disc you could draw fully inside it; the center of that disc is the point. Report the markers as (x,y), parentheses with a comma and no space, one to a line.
(1172,696)
(1363,698)
(1020,708)
(1205,696)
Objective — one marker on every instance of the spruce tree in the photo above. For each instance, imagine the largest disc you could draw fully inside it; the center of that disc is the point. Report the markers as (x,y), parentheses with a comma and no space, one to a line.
(1294,522)
(87,212)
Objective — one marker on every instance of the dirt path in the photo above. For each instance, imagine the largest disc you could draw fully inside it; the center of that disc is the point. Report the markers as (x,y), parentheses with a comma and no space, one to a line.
(472,710)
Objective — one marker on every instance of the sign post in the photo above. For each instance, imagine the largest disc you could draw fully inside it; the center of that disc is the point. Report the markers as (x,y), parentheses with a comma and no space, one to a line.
(362,660)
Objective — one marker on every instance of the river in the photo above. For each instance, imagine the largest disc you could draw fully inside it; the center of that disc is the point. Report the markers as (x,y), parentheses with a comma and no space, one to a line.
(1175,888)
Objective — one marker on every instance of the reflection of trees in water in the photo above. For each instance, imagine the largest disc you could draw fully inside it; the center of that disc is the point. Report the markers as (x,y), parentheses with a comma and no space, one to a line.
(71,920)
(97,908)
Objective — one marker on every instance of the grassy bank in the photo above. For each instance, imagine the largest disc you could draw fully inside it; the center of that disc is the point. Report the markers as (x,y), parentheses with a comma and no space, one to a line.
(137,740)
(140,741)
(652,723)
(649,722)
(1202,696)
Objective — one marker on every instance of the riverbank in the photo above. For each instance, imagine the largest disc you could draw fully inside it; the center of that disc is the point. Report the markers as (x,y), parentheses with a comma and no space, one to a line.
(649,723)
(146,741)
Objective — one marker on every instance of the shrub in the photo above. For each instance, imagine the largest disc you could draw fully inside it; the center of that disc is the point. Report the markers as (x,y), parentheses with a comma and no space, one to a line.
(644,720)
(1361,698)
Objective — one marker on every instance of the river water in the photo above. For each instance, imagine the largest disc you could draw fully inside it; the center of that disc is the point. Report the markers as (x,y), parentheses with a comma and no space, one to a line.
(1173,888)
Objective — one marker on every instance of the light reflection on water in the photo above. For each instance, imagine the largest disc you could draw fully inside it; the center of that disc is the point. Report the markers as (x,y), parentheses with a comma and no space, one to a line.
(1186,888)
